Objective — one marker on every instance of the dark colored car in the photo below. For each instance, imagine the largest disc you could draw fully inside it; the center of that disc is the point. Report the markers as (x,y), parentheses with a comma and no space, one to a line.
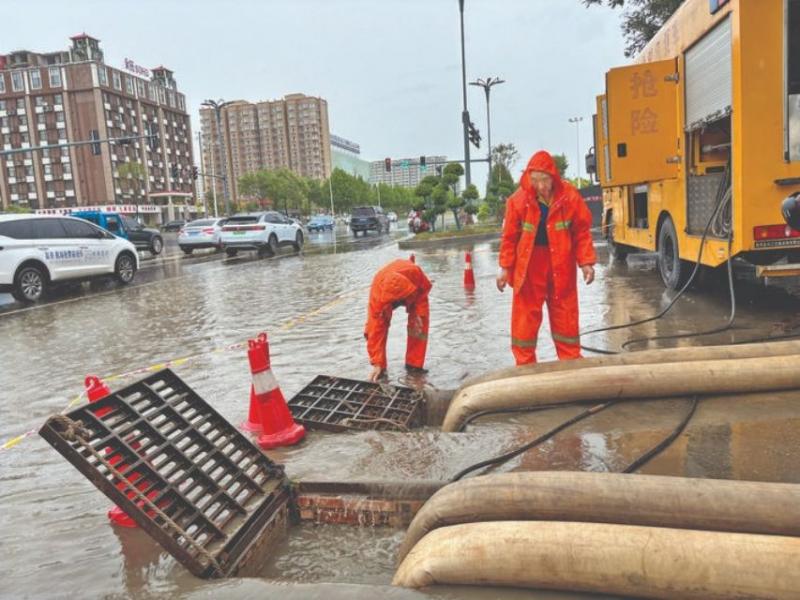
(368,218)
(174,225)
(126,227)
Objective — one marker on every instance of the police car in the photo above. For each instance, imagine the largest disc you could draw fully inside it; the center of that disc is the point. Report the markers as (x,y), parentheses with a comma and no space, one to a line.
(37,251)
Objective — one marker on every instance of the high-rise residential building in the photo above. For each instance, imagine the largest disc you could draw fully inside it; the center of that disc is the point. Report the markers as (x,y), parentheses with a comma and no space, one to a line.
(405,172)
(57,99)
(346,155)
(291,133)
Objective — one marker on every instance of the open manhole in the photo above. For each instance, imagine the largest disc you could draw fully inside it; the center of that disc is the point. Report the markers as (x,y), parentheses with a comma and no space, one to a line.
(339,404)
(188,478)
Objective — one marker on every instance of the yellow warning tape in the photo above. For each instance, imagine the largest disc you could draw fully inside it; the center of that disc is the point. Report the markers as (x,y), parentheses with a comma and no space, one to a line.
(177,362)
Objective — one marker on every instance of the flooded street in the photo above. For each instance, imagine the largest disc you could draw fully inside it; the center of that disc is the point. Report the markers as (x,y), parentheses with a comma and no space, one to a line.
(189,312)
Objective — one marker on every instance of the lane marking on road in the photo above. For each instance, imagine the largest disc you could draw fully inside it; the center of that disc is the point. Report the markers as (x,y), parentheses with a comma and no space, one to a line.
(177,362)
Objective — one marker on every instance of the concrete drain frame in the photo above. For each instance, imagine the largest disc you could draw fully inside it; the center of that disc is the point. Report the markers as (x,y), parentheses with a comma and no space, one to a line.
(338,404)
(187,477)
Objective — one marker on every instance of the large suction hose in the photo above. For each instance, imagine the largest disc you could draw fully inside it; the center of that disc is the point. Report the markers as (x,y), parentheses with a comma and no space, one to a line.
(627,382)
(629,560)
(647,500)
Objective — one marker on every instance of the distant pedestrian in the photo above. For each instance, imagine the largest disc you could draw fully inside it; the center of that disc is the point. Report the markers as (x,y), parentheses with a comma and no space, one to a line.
(399,283)
(546,235)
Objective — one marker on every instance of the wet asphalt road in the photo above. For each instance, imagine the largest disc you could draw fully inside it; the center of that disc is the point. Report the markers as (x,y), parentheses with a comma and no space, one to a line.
(53,522)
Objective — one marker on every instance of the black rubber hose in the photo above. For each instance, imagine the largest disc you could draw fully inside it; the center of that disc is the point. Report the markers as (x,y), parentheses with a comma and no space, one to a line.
(498,460)
(665,443)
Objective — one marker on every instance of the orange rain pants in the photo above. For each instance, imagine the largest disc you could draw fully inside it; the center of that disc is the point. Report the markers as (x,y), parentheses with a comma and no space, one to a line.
(400,283)
(526,312)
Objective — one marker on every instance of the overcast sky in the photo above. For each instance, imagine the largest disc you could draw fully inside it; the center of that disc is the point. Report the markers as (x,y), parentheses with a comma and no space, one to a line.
(389,69)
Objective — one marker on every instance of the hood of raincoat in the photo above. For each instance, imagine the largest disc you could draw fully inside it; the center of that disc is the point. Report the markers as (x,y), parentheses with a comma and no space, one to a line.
(541,161)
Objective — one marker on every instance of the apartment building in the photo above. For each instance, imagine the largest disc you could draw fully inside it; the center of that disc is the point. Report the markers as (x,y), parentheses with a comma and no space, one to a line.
(50,102)
(291,133)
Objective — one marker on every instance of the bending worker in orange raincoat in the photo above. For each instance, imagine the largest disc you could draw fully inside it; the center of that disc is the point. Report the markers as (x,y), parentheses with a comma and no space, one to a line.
(400,283)
(545,236)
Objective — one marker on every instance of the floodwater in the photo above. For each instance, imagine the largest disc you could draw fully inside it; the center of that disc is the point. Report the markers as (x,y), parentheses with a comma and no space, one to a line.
(54,536)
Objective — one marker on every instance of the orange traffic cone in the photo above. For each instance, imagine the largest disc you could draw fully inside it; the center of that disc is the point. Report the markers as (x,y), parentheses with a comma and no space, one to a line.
(278,426)
(253,423)
(413,258)
(469,276)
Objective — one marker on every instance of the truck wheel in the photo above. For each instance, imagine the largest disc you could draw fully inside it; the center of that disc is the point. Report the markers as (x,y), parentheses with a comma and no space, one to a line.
(273,244)
(30,284)
(617,251)
(156,245)
(125,268)
(674,271)
(298,241)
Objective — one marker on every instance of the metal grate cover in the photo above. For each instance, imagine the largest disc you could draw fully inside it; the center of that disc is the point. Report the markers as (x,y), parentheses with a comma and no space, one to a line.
(220,491)
(339,404)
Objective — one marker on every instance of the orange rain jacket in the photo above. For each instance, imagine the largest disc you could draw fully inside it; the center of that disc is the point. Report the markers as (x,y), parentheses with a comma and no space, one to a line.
(399,282)
(568,229)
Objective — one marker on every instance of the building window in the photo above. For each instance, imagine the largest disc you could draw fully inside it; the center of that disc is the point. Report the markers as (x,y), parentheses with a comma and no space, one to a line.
(17,84)
(161,96)
(129,85)
(102,76)
(2,86)
(140,88)
(55,76)
(65,152)
(21,104)
(117,80)
(23,120)
(60,117)
(35,77)
(58,99)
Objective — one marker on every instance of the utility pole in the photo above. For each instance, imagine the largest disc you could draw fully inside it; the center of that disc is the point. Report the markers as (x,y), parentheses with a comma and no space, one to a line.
(487,84)
(203,169)
(577,121)
(465,113)
(218,105)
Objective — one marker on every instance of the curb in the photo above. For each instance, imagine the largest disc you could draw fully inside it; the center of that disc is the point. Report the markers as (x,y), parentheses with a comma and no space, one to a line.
(412,244)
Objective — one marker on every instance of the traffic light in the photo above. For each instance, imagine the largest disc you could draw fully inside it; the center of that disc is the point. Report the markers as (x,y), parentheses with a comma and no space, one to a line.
(194,172)
(474,135)
(422,162)
(94,135)
(387,164)
(174,171)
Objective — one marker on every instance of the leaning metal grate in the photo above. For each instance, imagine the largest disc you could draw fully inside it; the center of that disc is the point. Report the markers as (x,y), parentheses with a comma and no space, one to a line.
(216,492)
(339,404)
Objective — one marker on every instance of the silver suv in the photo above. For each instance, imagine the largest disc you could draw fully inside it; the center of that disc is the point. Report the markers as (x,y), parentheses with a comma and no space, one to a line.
(263,232)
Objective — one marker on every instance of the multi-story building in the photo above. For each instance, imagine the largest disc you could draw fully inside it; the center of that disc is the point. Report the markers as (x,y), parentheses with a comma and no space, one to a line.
(54,100)
(346,155)
(405,172)
(291,133)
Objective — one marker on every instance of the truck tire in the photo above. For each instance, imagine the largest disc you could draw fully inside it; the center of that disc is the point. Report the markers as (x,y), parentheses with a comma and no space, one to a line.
(618,252)
(674,271)
(156,245)
(30,283)
(125,268)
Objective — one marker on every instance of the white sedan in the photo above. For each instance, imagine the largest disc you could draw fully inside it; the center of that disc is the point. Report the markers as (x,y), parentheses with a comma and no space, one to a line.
(37,251)
(202,233)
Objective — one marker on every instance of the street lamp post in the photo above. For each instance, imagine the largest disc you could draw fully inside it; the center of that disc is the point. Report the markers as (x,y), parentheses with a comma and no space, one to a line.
(218,105)
(487,84)
(577,121)
(465,112)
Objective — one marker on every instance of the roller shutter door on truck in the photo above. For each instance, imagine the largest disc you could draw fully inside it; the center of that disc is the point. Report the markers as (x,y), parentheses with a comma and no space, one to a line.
(708,77)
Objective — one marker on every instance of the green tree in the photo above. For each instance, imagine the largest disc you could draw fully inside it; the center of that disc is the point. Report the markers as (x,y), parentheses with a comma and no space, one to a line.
(506,155)
(501,186)
(471,196)
(641,19)
(451,174)
(561,163)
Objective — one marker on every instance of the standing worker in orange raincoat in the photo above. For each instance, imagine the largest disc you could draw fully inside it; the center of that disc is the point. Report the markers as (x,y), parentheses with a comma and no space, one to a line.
(400,283)
(545,236)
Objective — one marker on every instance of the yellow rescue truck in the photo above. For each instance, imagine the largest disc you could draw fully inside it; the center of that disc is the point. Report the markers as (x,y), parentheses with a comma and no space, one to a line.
(697,143)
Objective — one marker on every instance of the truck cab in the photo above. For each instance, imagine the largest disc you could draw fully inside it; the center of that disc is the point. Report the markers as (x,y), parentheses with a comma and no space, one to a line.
(125,227)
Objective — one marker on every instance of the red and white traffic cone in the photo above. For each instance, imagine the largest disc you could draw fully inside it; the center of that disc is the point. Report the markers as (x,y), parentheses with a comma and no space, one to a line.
(253,423)
(278,426)
(413,258)
(469,276)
